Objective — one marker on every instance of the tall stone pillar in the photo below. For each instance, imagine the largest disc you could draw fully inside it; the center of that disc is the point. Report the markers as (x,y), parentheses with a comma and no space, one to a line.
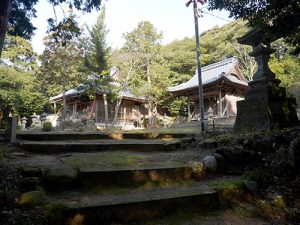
(266,105)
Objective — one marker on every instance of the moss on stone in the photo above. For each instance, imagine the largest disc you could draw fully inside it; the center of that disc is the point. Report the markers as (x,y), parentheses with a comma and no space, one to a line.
(229,191)
(32,198)
(54,213)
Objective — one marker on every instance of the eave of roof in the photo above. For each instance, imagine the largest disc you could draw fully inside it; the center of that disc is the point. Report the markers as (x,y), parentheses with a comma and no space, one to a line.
(211,74)
(126,94)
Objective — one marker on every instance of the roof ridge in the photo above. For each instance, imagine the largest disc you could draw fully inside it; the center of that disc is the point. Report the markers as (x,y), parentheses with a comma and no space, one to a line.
(220,63)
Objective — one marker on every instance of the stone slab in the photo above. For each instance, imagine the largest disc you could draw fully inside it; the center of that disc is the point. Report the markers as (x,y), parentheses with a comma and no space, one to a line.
(102,145)
(138,205)
(56,136)
(133,176)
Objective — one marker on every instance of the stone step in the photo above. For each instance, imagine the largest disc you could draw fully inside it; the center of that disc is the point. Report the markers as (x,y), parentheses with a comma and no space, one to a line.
(135,205)
(103,145)
(54,136)
(129,177)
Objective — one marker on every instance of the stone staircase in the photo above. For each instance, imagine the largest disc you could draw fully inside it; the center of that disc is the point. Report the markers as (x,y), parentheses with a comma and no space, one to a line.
(104,178)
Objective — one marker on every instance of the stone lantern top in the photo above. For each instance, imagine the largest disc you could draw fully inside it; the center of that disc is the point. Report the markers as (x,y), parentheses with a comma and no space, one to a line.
(43,117)
(261,45)
(256,35)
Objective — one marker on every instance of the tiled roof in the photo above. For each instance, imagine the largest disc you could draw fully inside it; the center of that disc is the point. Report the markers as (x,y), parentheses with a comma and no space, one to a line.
(127,93)
(211,73)
(74,91)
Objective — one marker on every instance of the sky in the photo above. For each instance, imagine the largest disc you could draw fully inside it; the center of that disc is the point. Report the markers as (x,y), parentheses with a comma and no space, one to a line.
(172,17)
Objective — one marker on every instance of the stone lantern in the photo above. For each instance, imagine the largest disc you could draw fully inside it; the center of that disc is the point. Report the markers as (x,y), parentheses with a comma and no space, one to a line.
(33,117)
(23,123)
(266,105)
(35,121)
(43,118)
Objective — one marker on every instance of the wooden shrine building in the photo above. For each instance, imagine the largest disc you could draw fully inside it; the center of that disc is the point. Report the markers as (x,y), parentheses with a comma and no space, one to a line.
(131,111)
(223,85)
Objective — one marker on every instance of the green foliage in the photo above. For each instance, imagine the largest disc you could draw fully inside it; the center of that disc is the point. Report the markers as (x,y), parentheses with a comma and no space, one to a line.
(148,68)
(278,18)
(64,31)
(61,67)
(62,60)
(96,61)
(22,11)
(287,70)
(9,84)
(97,51)
(178,107)
(19,52)
(181,57)
(216,44)
(47,126)
(19,92)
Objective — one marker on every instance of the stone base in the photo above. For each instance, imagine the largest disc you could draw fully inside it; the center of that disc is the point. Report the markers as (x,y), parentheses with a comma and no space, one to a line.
(266,107)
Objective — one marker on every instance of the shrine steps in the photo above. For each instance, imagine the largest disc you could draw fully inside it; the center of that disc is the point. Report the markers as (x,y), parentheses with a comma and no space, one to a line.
(122,180)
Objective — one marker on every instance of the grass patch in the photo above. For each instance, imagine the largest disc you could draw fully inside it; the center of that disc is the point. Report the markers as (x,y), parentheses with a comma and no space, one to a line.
(184,130)
(230,183)
(105,160)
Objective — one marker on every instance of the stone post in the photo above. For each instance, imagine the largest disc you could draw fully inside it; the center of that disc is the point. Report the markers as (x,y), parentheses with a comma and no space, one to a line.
(11,130)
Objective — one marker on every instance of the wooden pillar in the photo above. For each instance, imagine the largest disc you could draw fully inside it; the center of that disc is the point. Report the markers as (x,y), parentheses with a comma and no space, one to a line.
(125,112)
(96,112)
(74,108)
(220,103)
(189,109)
(54,107)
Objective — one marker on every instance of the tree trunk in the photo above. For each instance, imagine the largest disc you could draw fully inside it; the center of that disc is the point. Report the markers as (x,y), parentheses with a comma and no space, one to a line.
(105,111)
(150,105)
(117,108)
(63,83)
(5,7)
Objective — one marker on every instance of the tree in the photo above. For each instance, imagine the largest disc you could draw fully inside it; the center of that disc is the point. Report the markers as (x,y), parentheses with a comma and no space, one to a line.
(9,86)
(247,63)
(180,56)
(96,60)
(287,69)
(61,67)
(19,93)
(98,51)
(151,77)
(18,53)
(5,8)
(278,18)
(63,56)
(17,14)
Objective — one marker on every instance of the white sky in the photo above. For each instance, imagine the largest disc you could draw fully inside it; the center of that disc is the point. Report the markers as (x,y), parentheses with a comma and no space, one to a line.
(172,17)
